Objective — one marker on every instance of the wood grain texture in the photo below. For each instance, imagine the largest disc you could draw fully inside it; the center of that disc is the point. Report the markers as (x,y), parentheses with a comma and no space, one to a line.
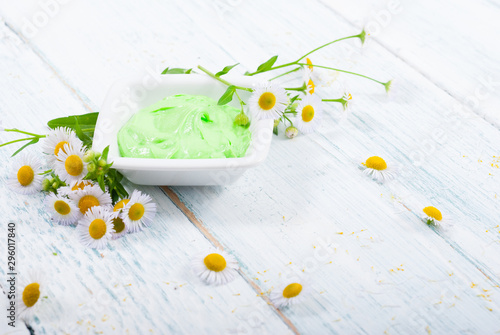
(143,283)
(373,265)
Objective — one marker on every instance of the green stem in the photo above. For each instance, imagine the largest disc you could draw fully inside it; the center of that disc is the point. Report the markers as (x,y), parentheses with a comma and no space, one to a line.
(300,89)
(19,140)
(44,172)
(223,81)
(324,45)
(286,117)
(284,74)
(24,132)
(345,71)
(333,100)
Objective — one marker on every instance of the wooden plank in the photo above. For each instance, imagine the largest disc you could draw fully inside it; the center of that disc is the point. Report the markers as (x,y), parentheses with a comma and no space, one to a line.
(449,42)
(329,200)
(143,283)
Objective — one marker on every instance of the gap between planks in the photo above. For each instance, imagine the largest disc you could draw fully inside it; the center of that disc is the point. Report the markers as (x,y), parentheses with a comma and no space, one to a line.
(203,229)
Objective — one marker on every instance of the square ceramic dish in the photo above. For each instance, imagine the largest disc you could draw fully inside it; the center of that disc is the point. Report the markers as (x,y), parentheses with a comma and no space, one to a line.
(129,96)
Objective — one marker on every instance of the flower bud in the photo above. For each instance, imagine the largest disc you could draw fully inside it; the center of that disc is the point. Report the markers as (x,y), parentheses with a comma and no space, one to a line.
(291,132)
(241,120)
(89,155)
(55,185)
(91,167)
(101,162)
(276,122)
(46,185)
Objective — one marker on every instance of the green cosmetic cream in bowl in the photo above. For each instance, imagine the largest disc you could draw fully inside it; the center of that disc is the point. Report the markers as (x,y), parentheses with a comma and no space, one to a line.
(169,130)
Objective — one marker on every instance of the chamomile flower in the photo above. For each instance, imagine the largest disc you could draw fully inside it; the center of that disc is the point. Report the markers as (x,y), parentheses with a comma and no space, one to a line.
(74,186)
(268,101)
(309,112)
(290,293)
(62,210)
(138,212)
(95,228)
(55,141)
(376,168)
(346,101)
(215,267)
(434,217)
(89,197)
(119,226)
(25,178)
(30,294)
(69,165)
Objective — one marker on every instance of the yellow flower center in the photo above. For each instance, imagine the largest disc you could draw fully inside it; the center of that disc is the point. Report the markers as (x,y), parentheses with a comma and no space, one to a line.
(80,186)
(120,204)
(310,83)
(215,262)
(86,202)
(118,225)
(267,101)
(73,165)
(307,113)
(309,64)
(433,212)
(97,229)
(62,207)
(136,212)
(292,290)
(60,146)
(31,294)
(376,163)
(25,175)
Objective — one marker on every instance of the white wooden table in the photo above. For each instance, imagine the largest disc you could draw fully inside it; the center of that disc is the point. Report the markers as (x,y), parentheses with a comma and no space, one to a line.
(374,268)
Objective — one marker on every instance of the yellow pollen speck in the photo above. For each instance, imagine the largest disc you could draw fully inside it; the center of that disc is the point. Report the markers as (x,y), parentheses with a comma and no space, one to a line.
(31,294)
(25,175)
(118,225)
(307,113)
(97,229)
(433,212)
(86,202)
(215,262)
(376,163)
(120,204)
(267,101)
(60,146)
(136,212)
(62,207)
(310,83)
(292,290)
(73,165)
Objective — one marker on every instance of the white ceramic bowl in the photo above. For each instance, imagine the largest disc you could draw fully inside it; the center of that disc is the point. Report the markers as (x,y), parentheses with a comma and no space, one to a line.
(129,96)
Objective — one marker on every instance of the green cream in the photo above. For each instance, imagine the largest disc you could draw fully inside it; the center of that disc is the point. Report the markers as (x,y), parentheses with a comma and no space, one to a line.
(184,126)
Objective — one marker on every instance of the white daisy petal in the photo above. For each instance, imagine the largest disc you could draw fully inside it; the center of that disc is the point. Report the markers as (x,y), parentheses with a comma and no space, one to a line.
(55,141)
(25,179)
(139,212)
(96,227)
(89,197)
(31,288)
(291,293)
(268,101)
(62,210)
(215,267)
(69,165)
(378,169)
(309,113)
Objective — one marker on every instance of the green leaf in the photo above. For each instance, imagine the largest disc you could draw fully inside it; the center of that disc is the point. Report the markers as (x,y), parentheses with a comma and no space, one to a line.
(86,122)
(227,96)
(225,70)
(33,141)
(100,180)
(104,154)
(176,70)
(86,139)
(267,64)
(292,100)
